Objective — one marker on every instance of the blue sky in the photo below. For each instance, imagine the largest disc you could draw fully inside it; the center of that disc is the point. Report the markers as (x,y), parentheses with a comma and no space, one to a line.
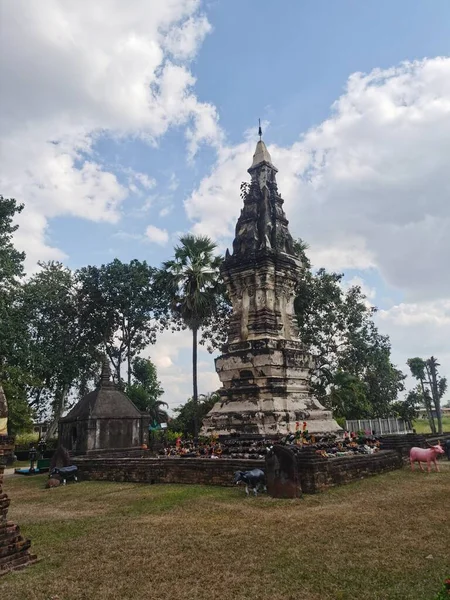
(154,108)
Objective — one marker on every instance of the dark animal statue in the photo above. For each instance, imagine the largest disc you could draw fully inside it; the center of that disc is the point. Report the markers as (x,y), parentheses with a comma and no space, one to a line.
(253,479)
(65,473)
(447,448)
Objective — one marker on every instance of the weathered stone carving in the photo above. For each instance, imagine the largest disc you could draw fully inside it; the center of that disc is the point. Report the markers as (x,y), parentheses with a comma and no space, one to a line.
(263,337)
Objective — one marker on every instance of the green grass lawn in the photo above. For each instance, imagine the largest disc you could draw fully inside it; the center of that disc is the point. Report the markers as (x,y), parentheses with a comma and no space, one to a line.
(109,541)
(422,426)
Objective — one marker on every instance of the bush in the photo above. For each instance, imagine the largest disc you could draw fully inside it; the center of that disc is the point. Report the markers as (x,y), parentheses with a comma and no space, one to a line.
(25,439)
(340,421)
(172,436)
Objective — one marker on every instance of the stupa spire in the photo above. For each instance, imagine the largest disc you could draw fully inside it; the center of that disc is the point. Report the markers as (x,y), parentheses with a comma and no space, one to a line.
(261,155)
(264,368)
(105,377)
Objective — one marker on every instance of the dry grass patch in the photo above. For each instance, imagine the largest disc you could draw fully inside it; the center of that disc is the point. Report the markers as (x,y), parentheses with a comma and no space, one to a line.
(118,541)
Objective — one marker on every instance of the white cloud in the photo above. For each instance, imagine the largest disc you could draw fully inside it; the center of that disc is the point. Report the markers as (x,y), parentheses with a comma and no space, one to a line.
(142,179)
(369,187)
(418,329)
(159,236)
(72,73)
(184,41)
(172,357)
(165,211)
(435,313)
(173,182)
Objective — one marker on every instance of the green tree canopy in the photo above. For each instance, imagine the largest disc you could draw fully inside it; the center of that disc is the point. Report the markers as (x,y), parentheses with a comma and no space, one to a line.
(431,386)
(145,390)
(122,303)
(189,413)
(14,375)
(352,357)
(61,348)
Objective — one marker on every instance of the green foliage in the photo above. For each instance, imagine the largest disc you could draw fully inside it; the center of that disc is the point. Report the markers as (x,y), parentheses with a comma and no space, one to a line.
(192,280)
(407,409)
(60,346)
(11,260)
(354,375)
(423,426)
(444,592)
(120,302)
(20,416)
(432,387)
(11,270)
(172,436)
(347,397)
(145,389)
(25,439)
(191,412)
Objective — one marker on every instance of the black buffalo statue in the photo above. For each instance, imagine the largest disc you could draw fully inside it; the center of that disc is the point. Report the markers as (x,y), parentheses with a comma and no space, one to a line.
(65,473)
(253,479)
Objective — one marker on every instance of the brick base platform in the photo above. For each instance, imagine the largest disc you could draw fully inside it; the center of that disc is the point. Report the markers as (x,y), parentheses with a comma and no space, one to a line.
(316,474)
(14,548)
(203,471)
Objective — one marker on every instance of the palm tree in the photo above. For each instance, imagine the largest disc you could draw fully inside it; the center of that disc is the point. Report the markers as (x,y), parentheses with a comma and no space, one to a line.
(192,279)
(156,412)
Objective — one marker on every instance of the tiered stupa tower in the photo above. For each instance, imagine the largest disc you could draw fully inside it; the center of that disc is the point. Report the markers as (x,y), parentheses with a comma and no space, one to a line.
(265,368)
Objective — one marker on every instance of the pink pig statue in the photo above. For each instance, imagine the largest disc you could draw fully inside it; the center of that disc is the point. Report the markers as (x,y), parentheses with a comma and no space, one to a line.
(427,455)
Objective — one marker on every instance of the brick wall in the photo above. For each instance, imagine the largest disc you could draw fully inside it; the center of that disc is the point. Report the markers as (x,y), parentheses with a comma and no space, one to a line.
(318,474)
(204,471)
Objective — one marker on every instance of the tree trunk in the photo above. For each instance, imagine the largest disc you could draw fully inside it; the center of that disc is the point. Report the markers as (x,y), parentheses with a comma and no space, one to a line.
(426,401)
(431,370)
(59,409)
(119,364)
(194,380)
(129,366)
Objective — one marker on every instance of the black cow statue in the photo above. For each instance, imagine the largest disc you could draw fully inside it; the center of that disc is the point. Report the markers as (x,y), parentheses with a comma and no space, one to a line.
(254,479)
(65,473)
(447,448)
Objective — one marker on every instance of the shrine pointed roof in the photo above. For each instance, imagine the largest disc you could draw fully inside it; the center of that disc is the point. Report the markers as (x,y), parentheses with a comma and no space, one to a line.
(106,401)
(261,155)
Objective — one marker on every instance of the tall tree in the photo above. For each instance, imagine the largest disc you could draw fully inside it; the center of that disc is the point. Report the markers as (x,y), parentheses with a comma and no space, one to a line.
(13,331)
(11,270)
(432,385)
(145,390)
(193,282)
(417,367)
(61,346)
(122,302)
(438,387)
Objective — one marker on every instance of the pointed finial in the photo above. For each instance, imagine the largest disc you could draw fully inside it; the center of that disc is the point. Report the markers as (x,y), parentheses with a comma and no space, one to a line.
(259,129)
(105,378)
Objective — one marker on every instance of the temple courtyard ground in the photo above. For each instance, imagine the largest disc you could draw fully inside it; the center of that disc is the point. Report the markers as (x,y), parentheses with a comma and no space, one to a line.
(383,538)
